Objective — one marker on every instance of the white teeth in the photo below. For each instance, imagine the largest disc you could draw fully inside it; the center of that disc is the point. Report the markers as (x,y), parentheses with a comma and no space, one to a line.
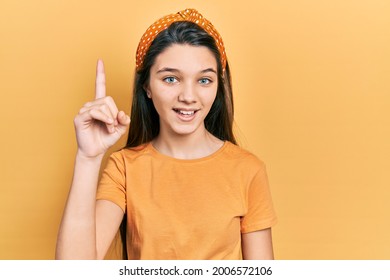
(187,113)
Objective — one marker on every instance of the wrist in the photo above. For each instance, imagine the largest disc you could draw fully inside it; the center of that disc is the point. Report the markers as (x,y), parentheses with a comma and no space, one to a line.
(80,156)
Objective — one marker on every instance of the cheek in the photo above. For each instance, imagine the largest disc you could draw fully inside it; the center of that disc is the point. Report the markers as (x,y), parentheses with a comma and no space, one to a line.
(209,98)
(161,99)
(161,91)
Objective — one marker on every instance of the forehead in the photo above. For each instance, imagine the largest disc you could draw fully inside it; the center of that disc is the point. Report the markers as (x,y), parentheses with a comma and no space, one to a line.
(186,58)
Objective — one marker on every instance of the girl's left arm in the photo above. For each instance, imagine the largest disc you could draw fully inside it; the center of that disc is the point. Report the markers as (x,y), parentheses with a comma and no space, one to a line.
(257,245)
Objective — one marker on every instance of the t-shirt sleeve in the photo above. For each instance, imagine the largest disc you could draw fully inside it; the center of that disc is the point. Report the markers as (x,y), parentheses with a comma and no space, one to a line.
(260,211)
(112,185)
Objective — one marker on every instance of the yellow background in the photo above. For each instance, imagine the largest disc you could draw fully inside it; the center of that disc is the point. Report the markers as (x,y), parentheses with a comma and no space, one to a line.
(312,99)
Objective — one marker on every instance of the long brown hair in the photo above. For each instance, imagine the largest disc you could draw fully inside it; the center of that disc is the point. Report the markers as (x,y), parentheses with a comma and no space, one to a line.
(145,123)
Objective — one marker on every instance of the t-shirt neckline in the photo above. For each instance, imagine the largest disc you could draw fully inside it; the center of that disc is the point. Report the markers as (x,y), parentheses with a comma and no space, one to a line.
(160,155)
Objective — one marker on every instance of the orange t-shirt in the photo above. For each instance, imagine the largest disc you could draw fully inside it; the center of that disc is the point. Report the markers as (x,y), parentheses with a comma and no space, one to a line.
(188,209)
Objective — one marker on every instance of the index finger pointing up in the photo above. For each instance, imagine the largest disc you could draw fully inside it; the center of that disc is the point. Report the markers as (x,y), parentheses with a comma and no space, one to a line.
(100,88)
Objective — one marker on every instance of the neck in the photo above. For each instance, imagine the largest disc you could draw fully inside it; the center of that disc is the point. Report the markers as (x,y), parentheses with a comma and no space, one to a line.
(187,146)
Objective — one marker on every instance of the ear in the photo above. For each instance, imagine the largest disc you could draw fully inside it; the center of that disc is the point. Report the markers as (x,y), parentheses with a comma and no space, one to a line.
(147,90)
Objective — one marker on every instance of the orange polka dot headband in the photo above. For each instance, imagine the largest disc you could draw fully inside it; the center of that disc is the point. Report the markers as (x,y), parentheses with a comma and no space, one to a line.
(191,15)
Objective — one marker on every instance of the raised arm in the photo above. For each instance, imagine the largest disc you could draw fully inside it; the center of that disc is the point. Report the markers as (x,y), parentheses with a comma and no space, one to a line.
(88,227)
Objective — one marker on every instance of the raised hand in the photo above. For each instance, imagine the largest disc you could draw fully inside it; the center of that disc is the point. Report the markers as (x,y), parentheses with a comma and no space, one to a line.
(99,124)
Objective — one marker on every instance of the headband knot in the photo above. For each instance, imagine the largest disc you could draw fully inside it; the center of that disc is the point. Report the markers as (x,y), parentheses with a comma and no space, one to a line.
(191,15)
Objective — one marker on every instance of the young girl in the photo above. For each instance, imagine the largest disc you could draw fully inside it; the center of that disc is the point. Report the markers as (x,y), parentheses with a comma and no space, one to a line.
(181,186)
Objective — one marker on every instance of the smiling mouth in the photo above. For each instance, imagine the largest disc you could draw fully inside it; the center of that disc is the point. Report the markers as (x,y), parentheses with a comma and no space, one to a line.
(185,112)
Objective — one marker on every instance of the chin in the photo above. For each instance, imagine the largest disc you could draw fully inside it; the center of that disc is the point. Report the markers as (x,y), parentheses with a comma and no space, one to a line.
(184,130)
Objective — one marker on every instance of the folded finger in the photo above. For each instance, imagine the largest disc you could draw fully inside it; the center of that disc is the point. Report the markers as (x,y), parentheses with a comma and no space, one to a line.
(107,111)
(108,101)
(101,116)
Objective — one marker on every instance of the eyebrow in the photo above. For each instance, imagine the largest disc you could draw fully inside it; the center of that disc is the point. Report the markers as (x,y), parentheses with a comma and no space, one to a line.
(174,70)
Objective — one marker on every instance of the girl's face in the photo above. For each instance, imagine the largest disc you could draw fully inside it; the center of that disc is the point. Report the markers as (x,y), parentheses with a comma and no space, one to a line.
(183,85)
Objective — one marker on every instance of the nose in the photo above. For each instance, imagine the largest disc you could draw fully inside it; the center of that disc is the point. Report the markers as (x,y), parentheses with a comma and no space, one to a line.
(188,93)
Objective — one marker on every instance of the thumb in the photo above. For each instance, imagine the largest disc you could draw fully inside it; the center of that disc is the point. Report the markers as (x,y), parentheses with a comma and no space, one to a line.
(123,121)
